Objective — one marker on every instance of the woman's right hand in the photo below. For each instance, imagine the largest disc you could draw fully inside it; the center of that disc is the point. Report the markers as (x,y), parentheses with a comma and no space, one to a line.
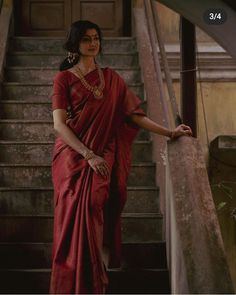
(99,165)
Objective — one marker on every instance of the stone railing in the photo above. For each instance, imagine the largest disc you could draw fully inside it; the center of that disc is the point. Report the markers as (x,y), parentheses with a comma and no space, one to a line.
(197,259)
(154,93)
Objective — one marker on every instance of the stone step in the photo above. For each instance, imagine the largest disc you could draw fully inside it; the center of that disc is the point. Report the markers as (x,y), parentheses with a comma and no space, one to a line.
(50,44)
(134,281)
(40,152)
(26,175)
(38,255)
(136,227)
(31,130)
(139,281)
(42,91)
(33,110)
(113,59)
(39,201)
(39,59)
(37,74)
(30,110)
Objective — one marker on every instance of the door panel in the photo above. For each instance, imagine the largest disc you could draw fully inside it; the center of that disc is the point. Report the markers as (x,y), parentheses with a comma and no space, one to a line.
(43,17)
(53,17)
(107,14)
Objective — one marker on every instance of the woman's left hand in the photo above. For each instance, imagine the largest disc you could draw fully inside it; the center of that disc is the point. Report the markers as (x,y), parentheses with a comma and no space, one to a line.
(181,130)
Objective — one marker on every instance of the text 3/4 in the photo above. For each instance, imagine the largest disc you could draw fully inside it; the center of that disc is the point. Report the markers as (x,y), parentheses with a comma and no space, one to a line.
(215,16)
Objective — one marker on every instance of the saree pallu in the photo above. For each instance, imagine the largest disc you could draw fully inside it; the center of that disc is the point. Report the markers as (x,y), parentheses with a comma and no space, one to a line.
(87,207)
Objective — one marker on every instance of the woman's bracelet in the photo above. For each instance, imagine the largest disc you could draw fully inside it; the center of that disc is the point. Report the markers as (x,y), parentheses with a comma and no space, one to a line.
(89,155)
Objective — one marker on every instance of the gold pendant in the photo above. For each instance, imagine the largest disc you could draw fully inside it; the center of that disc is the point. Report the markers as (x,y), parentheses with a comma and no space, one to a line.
(97,93)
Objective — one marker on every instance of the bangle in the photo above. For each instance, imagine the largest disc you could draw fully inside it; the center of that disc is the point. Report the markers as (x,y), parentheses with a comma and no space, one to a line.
(89,155)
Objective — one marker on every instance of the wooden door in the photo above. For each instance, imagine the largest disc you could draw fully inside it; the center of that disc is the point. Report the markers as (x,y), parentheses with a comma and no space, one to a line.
(53,17)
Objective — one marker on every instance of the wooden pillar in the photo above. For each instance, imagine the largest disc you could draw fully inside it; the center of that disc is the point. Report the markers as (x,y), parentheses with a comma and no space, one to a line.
(188,74)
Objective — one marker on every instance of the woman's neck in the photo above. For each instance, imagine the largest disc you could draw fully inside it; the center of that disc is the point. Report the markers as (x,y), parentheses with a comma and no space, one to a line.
(86,65)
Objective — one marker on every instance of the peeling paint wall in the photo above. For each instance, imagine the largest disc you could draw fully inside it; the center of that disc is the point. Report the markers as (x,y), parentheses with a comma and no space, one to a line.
(170,26)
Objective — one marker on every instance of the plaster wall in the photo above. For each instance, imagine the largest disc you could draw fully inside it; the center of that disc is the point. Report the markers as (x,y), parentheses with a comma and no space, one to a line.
(218,99)
(170,26)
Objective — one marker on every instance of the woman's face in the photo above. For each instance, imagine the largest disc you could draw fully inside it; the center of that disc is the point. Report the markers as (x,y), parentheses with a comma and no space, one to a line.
(90,43)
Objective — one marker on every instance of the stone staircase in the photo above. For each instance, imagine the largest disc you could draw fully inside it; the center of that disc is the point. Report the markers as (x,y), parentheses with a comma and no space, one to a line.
(26,139)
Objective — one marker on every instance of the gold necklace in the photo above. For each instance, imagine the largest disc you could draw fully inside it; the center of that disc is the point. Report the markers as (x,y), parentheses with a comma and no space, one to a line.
(96,90)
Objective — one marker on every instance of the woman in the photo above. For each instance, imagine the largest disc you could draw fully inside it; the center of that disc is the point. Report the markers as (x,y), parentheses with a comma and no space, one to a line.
(96,117)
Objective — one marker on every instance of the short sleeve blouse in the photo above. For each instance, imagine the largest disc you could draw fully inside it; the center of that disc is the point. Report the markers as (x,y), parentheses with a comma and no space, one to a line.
(60,93)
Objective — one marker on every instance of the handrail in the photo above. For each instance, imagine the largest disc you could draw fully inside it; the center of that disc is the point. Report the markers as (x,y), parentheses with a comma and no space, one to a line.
(5,20)
(156,37)
(195,249)
(153,39)
(152,89)
(169,83)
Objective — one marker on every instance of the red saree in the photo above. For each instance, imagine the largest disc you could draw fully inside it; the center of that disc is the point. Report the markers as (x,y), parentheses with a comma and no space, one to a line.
(87,207)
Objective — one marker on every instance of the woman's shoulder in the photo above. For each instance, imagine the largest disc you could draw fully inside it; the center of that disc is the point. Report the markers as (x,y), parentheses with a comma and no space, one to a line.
(61,76)
(111,72)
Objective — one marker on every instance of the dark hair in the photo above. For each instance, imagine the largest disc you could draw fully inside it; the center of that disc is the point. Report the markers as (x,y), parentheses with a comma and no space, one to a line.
(76,33)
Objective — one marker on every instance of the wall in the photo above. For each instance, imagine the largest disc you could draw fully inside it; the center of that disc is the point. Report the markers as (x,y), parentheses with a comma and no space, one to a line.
(219,100)
(170,25)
